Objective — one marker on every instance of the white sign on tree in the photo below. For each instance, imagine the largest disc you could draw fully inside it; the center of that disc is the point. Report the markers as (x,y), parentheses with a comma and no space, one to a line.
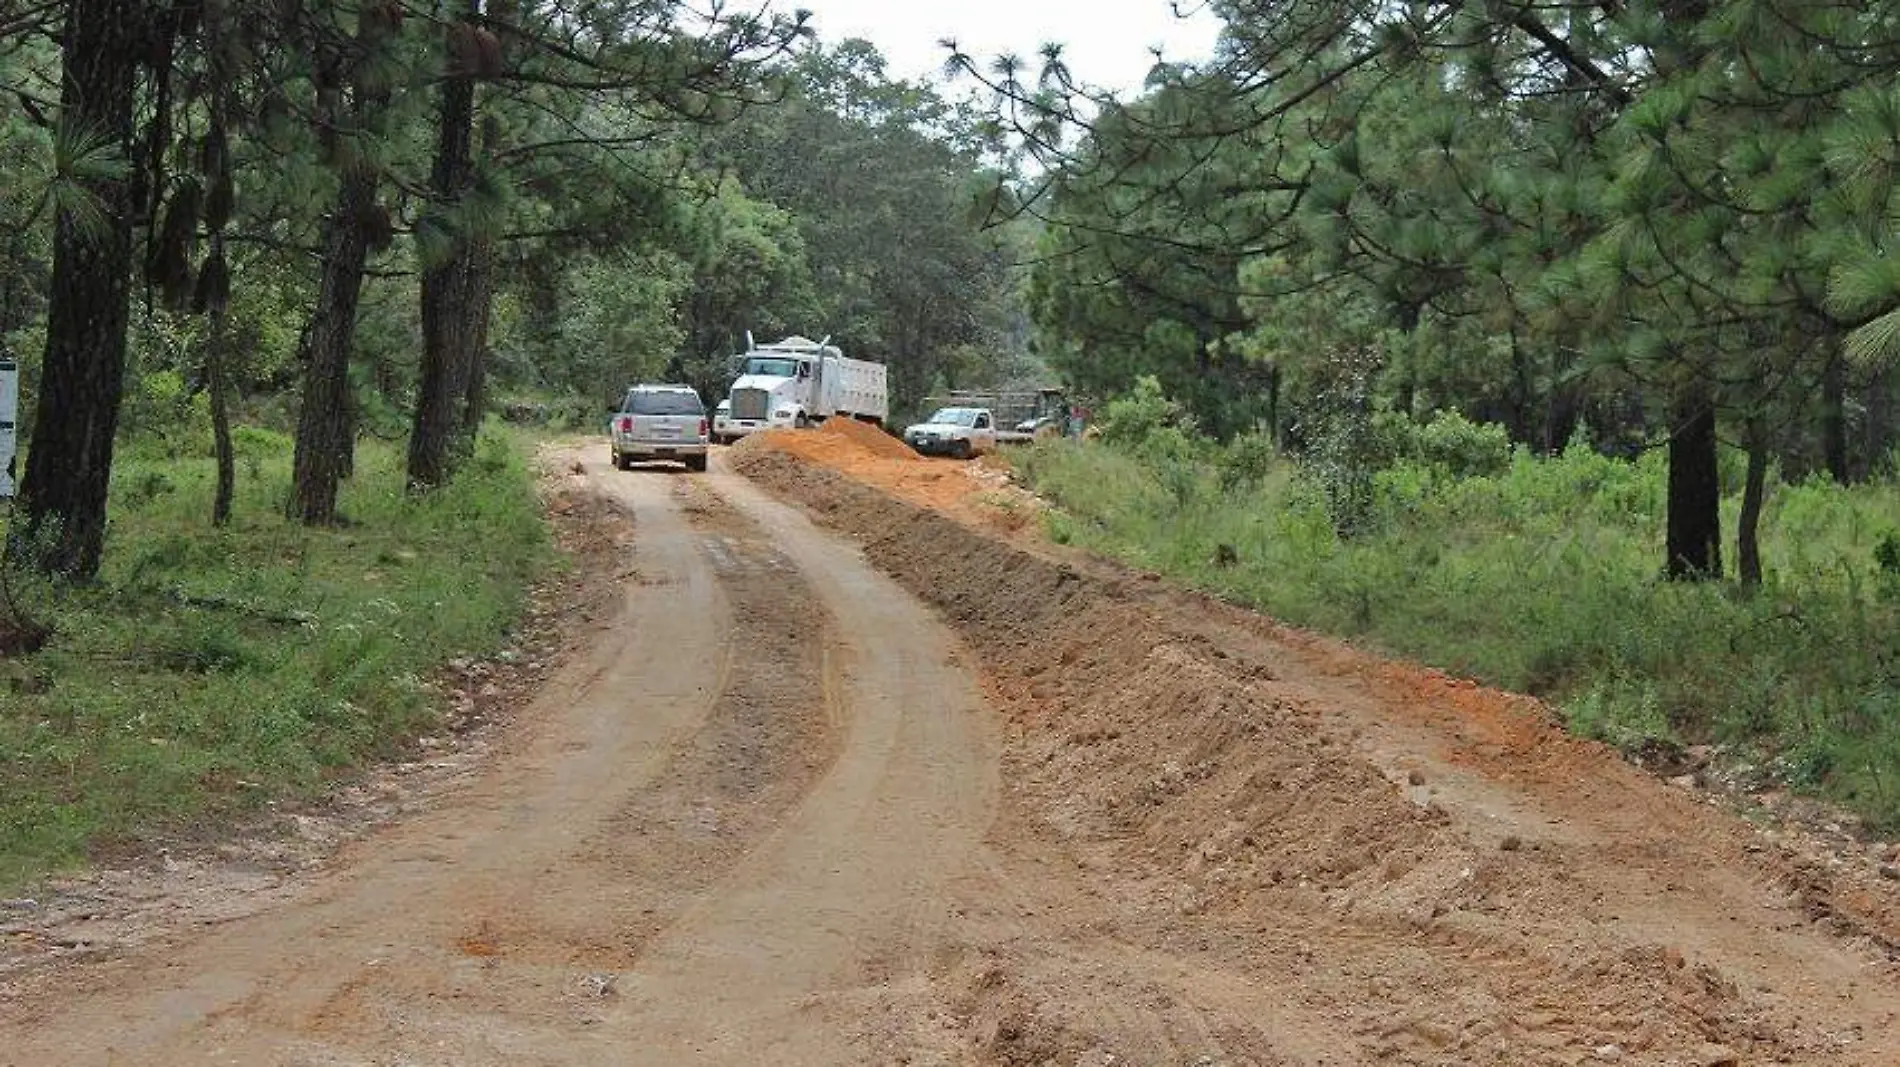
(9,423)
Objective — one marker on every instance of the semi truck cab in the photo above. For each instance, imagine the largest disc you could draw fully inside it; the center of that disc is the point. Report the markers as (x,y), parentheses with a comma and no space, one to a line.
(796,382)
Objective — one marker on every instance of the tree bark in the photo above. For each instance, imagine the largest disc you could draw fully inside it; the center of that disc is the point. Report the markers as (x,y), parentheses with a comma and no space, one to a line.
(324,426)
(478,298)
(1834,418)
(1747,534)
(1694,542)
(455,281)
(216,370)
(1273,405)
(69,460)
(1880,423)
(1523,426)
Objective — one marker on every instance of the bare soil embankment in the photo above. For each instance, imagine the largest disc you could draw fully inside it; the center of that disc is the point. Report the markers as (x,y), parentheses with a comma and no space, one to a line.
(1222,838)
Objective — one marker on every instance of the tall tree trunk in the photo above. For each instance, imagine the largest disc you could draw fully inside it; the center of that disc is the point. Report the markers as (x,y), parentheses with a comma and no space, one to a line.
(1273,405)
(1834,418)
(1694,543)
(346,458)
(1880,405)
(478,298)
(82,377)
(1748,524)
(455,286)
(213,296)
(217,376)
(217,371)
(324,427)
(1562,412)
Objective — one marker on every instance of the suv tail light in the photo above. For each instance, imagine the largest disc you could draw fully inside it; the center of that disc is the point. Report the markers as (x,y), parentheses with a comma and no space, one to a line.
(624,424)
(704,427)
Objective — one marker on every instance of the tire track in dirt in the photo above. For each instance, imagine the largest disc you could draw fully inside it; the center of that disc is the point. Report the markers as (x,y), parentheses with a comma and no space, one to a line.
(1288,853)
(845,906)
(770,734)
(643,866)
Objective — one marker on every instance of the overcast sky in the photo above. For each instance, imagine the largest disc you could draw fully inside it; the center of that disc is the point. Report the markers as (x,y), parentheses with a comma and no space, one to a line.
(1106,42)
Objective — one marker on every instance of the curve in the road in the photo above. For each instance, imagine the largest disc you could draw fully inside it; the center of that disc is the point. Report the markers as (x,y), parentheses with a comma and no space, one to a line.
(733,817)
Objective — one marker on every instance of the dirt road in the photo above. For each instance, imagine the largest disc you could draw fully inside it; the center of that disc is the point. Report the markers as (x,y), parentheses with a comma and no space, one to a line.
(893,789)
(740,811)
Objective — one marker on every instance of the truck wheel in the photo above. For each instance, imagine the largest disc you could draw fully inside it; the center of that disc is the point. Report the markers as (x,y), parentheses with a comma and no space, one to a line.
(625,463)
(802,422)
(696,463)
(962,450)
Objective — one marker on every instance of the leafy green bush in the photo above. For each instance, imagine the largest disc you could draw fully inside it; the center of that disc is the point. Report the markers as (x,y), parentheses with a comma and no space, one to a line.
(1448,442)
(1247,462)
(162,407)
(1887,558)
(1620,711)
(1130,421)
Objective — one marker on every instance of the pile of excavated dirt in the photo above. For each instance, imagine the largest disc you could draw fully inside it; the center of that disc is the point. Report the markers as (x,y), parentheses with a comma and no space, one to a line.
(1227,840)
(977,491)
(834,441)
(870,438)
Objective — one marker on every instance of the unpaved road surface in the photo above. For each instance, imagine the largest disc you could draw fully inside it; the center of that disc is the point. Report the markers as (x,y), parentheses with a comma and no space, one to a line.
(866,782)
(737,814)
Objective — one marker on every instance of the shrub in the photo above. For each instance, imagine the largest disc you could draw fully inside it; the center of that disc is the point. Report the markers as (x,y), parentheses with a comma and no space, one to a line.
(1247,461)
(1448,443)
(1620,711)
(1129,421)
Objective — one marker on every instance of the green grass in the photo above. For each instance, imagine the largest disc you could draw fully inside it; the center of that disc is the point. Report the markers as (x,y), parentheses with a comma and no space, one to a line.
(1544,577)
(210,670)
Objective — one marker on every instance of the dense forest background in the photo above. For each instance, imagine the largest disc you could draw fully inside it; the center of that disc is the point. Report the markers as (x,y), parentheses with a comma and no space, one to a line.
(1657,224)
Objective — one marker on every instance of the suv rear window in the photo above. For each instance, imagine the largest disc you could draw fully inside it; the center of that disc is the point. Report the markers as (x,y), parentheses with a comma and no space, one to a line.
(671,402)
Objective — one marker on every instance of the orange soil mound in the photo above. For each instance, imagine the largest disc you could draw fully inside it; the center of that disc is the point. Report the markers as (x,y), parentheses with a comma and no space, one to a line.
(869,437)
(839,443)
(975,491)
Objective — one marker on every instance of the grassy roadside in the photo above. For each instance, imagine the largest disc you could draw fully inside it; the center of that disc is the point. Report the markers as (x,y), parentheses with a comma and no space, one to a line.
(1541,576)
(209,670)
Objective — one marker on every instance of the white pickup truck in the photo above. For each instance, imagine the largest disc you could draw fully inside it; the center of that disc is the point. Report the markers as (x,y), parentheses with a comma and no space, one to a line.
(959,432)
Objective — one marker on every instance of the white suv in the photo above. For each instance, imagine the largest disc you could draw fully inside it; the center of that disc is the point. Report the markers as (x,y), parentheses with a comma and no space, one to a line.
(660,422)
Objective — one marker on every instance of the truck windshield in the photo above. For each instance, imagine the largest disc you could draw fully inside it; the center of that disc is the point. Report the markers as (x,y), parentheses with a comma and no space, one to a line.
(776,368)
(672,402)
(954,417)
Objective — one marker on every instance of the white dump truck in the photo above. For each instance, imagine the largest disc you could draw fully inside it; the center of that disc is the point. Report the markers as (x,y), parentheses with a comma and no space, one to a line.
(797,382)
